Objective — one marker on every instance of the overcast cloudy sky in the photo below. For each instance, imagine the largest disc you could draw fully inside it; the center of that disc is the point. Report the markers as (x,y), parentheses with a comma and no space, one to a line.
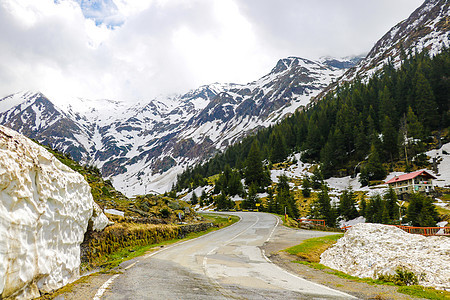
(136,49)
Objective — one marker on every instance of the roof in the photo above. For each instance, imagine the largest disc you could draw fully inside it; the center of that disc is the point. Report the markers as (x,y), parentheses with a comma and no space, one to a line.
(410,176)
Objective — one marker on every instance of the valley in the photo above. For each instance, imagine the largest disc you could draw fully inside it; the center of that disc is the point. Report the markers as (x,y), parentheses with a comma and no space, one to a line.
(154,190)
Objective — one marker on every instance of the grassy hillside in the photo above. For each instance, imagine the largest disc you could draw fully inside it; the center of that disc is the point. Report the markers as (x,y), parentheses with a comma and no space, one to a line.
(143,209)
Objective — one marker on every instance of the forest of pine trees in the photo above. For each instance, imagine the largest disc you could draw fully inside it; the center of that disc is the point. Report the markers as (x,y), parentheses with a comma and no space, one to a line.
(360,127)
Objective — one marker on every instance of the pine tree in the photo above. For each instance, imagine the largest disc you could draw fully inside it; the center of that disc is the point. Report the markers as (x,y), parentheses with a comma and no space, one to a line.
(426,106)
(385,219)
(421,211)
(390,198)
(234,184)
(374,169)
(347,205)
(414,126)
(272,205)
(285,198)
(374,212)
(362,142)
(254,171)
(390,139)
(387,108)
(323,207)
(306,187)
(363,207)
(194,199)
(313,140)
(278,148)
(223,202)
(317,179)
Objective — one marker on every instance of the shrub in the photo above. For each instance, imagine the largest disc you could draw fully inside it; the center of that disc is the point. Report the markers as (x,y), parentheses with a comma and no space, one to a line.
(401,277)
(164,212)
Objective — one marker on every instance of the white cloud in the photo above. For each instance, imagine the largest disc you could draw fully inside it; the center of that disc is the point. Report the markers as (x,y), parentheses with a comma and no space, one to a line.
(164,46)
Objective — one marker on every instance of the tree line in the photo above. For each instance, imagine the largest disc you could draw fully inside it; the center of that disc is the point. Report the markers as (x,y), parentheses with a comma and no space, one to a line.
(360,127)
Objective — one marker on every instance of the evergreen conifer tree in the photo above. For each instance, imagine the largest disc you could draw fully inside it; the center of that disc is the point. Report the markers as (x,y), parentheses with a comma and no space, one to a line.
(324,208)
(317,179)
(272,205)
(421,211)
(306,187)
(194,199)
(347,205)
(254,171)
(374,169)
(426,106)
(252,197)
(390,198)
(285,198)
(363,207)
(278,148)
(390,139)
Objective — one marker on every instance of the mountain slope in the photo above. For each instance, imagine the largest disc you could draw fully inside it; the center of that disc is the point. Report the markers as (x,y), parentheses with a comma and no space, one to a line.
(143,146)
(36,117)
(427,28)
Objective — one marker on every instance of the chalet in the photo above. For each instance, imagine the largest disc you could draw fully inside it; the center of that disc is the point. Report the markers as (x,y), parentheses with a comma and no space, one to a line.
(419,181)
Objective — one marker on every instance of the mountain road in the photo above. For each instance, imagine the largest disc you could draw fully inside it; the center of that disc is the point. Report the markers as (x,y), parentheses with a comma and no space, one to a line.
(225,264)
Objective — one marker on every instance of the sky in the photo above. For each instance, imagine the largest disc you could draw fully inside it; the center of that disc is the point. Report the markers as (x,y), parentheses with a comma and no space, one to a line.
(134,50)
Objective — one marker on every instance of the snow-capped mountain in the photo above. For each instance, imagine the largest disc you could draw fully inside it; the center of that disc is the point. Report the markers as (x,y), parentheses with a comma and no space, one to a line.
(143,146)
(428,27)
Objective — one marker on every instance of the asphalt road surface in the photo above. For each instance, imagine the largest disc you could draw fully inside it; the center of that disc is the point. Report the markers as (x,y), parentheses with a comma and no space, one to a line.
(225,264)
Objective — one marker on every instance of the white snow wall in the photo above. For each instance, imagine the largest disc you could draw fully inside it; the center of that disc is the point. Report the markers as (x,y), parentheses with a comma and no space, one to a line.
(45,208)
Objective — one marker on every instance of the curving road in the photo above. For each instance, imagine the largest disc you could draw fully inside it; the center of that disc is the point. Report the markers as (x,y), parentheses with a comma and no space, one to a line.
(225,264)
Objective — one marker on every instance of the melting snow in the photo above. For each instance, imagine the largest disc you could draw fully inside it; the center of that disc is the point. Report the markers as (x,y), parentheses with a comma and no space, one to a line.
(44,212)
(368,250)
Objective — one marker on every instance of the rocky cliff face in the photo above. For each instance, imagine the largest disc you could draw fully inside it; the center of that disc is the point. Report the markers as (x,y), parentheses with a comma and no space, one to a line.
(45,209)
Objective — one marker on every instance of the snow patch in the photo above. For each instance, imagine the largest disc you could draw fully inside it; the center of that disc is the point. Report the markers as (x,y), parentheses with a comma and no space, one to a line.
(368,250)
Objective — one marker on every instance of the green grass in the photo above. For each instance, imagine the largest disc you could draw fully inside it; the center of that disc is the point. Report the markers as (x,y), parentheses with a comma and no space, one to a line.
(354,278)
(219,219)
(290,222)
(311,249)
(424,292)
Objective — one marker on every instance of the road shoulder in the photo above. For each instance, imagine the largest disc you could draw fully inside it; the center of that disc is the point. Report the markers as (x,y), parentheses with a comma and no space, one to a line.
(287,237)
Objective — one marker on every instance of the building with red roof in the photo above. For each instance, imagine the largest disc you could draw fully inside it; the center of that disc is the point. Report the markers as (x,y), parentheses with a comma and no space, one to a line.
(419,181)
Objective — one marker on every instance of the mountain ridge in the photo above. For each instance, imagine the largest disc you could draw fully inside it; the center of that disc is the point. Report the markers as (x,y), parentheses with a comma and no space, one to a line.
(428,27)
(136,144)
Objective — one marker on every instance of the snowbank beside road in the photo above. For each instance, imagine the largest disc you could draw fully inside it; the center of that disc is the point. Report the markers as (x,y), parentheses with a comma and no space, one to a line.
(368,250)
(45,209)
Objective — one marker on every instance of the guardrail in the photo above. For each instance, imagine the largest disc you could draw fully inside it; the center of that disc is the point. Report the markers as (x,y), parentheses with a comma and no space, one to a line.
(312,221)
(426,231)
